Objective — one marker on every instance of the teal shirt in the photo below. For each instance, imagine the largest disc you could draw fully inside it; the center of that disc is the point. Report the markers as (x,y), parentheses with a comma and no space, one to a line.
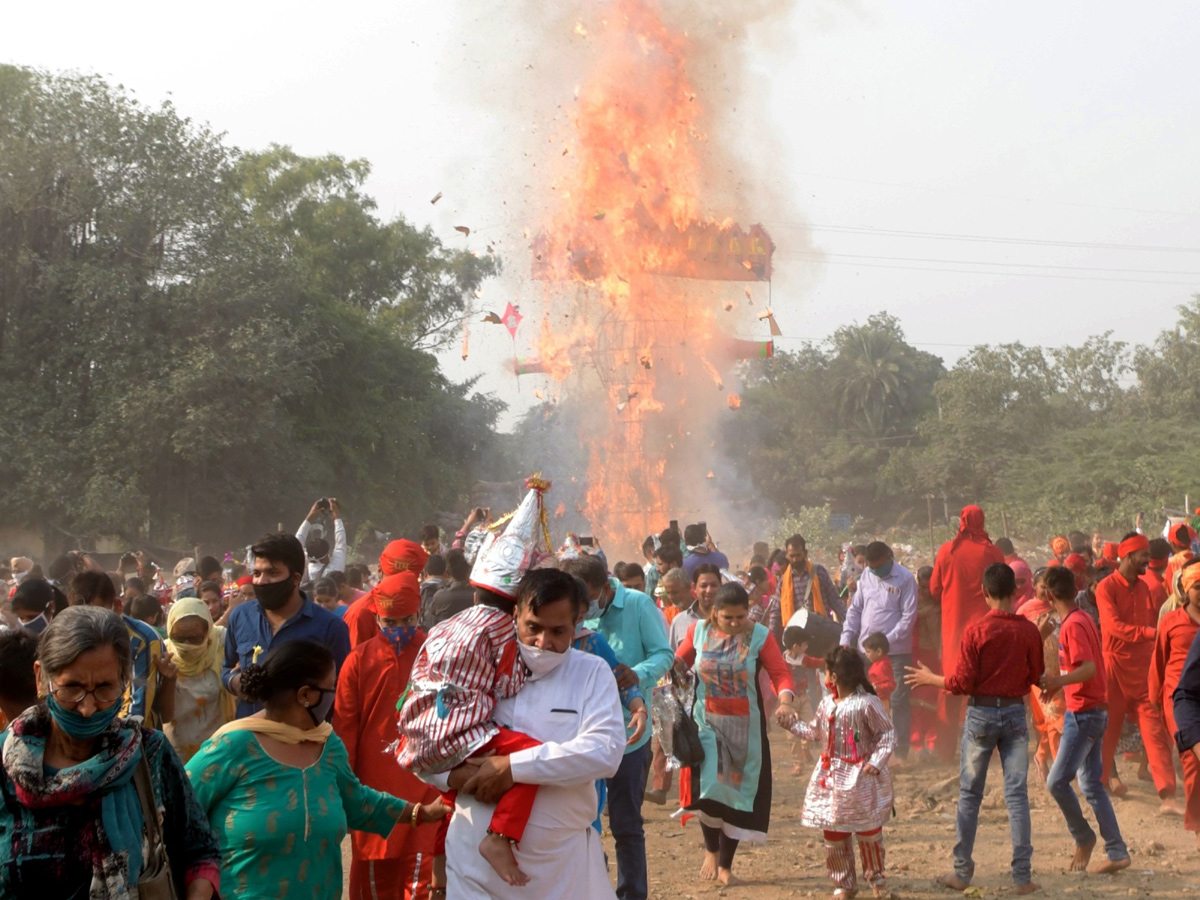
(280,827)
(635,629)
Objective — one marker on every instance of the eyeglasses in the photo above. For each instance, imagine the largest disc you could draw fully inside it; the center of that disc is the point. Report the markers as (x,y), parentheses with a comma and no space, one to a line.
(72,694)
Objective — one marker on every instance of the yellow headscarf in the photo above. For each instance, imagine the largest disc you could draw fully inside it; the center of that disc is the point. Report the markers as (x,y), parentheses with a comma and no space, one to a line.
(193,660)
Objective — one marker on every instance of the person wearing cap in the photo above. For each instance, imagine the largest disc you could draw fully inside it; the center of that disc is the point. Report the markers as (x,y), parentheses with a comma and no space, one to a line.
(1128,619)
(1181,538)
(362,618)
(281,613)
(1060,548)
(1156,570)
(375,673)
(20,566)
(321,559)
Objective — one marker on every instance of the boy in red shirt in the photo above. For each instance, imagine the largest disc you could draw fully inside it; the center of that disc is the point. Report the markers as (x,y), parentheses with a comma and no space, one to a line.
(1081,661)
(999,660)
(881,676)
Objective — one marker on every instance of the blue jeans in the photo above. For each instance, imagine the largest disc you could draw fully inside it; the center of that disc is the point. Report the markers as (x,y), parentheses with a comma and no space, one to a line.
(987,729)
(901,705)
(1080,753)
(625,791)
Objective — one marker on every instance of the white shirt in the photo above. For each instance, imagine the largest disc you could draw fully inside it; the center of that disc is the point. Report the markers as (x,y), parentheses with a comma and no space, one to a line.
(337,556)
(575,711)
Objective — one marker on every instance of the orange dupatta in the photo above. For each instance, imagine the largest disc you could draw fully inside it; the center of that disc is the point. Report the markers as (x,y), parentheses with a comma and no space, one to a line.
(787,594)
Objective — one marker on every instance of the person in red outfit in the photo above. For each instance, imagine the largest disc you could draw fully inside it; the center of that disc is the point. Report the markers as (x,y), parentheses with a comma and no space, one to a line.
(399,866)
(957,584)
(1176,630)
(1156,571)
(927,651)
(881,675)
(362,618)
(1181,537)
(1127,622)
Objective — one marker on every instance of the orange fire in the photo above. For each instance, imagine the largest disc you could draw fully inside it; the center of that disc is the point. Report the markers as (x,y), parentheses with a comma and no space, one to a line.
(623,254)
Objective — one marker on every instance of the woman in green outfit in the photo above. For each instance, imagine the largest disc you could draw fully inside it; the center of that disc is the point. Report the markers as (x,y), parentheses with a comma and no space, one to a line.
(278,789)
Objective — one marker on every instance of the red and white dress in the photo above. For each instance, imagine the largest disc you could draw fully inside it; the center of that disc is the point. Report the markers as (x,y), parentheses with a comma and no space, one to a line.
(467,663)
(841,795)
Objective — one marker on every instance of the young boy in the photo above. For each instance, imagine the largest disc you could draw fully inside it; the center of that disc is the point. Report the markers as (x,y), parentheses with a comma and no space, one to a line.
(881,676)
(800,662)
(1047,711)
(1084,685)
(999,660)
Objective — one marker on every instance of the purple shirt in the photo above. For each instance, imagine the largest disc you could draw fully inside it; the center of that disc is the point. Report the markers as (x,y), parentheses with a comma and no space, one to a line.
(887,605)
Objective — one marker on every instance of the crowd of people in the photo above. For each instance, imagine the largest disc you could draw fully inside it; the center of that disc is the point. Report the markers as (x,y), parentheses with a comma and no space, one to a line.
(471,709)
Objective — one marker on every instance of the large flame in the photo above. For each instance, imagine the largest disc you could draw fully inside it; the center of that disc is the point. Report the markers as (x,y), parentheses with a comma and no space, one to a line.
(625,252)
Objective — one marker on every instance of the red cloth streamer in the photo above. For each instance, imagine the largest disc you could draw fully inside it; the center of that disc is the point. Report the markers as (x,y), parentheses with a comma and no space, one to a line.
(1132,545)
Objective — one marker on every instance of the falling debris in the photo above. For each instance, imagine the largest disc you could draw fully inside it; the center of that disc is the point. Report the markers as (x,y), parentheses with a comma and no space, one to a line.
(621,406)
(560,510)
(463,229)
(466,341)
(749,297)
(538,394)
(493,318)
(630,395)
(770,317)
(734,401)
(710,475)
(436,197)
(491,249)
(728,307)
(647,362)
(580,30)
(599,214)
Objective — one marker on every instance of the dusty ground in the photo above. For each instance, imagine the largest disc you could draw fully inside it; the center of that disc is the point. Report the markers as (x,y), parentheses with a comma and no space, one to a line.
(919,840)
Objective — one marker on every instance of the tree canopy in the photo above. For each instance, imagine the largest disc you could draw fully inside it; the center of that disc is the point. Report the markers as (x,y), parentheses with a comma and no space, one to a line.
(191,337)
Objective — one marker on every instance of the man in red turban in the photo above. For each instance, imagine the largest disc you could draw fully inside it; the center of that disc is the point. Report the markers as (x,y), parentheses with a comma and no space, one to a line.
(957,583)
(374,676)
(1128,619)
(1059,548)
(1180,537)
(398,556)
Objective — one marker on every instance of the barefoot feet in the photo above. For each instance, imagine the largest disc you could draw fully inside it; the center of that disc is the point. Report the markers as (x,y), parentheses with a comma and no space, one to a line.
(708,869)
(1117,787)
(727,878)
(1111,866)
(1083,855)
(1170,807)
(497,850)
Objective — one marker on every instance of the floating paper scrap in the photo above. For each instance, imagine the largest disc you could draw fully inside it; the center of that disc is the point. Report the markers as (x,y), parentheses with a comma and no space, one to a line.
(463,229)
(436,198)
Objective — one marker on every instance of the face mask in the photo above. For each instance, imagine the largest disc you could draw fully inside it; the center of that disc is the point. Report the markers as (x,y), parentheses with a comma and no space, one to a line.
(190,653)
(38,625)
(78,726)
(18,577)
(540,662)
(275,595)
(882,571)
(398,636)
(320,712)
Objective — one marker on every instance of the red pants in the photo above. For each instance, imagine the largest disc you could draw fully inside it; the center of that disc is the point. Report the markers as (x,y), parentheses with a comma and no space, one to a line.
(1150,724)
(1191,774)
(513,808)
(924,705)
(1049,730)
(405,877)
(951,709)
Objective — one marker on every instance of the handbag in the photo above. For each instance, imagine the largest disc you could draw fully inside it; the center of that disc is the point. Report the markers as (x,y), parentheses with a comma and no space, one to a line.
(685,740)
(155,881)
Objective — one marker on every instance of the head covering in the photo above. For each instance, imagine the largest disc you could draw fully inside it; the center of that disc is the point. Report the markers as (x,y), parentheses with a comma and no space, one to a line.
(20,564)
(503,560)
(1132,545)
(398,596)
(245,580)
(1076,563)
(1158,564)
(1189,576)
(186,566)
(1059,545)
(1109,551)
(970,527)
(1182,535)
(402,556)
(193,662)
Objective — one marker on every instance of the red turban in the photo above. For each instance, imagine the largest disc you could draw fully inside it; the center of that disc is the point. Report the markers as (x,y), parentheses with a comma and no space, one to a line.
(1189,576)
(402,556)
(1132,545)
(1110,551)
(1158,564)
(398,596)
(1182,535)
(970,527)
(1076,563)
(245,580)
(1059,545)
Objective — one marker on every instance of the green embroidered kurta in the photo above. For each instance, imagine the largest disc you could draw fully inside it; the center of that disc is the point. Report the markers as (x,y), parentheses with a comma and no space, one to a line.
(280,827)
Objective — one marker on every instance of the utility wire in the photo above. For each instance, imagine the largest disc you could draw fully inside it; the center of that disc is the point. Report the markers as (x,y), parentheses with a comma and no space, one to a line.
(866,265)
(817,254)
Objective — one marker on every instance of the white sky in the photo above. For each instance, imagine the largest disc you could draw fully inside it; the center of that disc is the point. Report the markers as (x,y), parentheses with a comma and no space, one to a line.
(1065,122)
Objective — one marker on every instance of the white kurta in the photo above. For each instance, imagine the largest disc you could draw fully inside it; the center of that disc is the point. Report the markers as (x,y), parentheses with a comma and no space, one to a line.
(575,711)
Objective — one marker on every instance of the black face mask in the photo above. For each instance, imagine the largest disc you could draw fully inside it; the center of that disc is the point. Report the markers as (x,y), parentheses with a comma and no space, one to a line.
(274,595)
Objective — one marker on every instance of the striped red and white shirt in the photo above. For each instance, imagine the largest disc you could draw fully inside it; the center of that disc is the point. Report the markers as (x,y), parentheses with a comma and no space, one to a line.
(467,663)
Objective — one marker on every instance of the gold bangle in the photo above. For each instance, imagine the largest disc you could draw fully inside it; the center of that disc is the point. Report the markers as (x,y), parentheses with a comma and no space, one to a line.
(416,814)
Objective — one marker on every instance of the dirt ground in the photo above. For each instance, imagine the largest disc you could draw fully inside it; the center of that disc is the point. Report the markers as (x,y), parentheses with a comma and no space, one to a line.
(919,841)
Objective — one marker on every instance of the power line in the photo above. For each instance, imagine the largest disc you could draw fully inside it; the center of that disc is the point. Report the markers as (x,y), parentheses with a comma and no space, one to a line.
(865,265)
(989,239)
(817,254)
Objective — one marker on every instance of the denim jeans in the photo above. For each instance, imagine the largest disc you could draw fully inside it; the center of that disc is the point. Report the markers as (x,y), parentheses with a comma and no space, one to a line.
(625,791)
(987,729)
(1080,752)
(901,706)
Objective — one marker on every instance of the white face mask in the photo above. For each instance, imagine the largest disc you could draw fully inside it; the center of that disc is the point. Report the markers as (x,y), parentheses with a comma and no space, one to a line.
(18,577)
(540,662)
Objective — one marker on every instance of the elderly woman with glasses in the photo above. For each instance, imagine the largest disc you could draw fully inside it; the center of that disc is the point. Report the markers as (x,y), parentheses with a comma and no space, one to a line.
(76,777)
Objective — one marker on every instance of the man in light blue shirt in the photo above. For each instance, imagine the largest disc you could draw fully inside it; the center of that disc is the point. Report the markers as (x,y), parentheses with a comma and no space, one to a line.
(885,602)
(634,628)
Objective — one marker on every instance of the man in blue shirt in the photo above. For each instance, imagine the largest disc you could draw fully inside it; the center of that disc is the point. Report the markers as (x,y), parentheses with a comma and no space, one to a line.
(885,602)
(636,631)
(700,550)
(281,613)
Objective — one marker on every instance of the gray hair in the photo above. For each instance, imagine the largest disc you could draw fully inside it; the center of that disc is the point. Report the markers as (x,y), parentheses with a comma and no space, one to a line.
(78,629)
(675,577)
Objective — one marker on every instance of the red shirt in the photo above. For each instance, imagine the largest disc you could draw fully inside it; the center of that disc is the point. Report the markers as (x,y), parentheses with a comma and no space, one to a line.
(1000,656)
(1079,641)
(1158,591)
(1128,620)
(1175,633)
(882,678)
